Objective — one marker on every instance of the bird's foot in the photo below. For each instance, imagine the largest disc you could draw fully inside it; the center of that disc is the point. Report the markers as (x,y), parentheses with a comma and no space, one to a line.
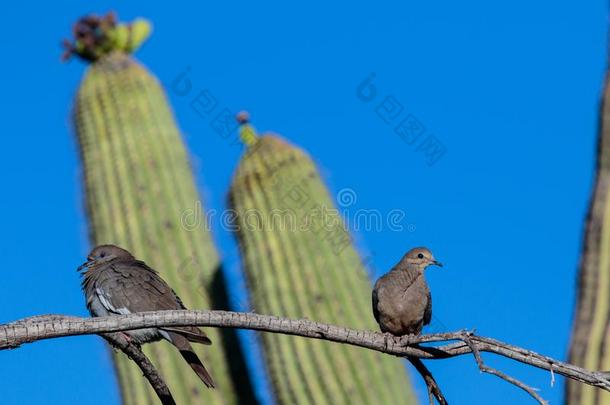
(395,340)
(387,338)
(406,340)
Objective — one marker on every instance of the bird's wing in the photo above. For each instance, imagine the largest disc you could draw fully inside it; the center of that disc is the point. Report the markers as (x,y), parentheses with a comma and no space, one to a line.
(401,279)
(395,280)
(134,287)
(428,311)
(375,302)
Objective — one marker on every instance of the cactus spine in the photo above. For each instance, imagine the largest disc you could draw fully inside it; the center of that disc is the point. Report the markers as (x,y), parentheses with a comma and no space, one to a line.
(299,262)
(590,344)
(138,183)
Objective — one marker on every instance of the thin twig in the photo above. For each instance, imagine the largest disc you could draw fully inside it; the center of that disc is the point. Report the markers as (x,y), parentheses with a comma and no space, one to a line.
(434,391)
(498,373)
(52,326)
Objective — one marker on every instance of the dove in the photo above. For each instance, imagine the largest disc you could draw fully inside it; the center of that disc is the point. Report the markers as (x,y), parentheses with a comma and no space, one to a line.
(116,283)
(402,303)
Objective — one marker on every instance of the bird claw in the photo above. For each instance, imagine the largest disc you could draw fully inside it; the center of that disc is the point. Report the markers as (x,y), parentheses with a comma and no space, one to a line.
(405,340)
(401,341)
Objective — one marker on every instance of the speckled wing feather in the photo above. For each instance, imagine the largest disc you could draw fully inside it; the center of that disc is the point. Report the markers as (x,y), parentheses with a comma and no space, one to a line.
(128,287)
(428,312)
(396,277)
(375,302)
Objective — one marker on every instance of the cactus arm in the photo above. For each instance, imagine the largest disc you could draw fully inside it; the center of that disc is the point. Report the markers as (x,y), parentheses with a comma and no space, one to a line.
(590,341)
(138,183)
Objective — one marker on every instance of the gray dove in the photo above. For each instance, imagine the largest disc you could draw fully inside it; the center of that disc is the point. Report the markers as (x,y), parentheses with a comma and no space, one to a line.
(116,283)
(402,303)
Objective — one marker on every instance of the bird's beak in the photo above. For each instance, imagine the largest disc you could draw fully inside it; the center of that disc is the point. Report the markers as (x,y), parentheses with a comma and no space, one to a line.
(83,266)
(92,260)
(437,263)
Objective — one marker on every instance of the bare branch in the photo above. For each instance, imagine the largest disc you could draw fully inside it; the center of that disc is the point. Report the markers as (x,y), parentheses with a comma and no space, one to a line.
(498,373)
(434,391)
(119,341)
(52,326)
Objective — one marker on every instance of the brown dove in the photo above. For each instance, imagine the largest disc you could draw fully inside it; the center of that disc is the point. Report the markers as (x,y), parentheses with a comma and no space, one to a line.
(116,283)
(402,303)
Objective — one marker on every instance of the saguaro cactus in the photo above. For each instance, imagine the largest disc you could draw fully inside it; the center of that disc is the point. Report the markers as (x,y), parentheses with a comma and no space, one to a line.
(138,183)
(590,345)
(300,262)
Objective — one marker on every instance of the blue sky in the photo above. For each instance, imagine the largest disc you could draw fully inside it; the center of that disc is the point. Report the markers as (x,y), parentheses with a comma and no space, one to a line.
(510,90)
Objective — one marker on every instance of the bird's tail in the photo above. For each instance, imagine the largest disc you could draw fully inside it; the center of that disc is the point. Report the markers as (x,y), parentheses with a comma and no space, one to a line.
(186,350)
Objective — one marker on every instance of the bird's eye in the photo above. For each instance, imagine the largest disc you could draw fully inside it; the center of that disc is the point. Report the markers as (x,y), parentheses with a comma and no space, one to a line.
(420,256)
